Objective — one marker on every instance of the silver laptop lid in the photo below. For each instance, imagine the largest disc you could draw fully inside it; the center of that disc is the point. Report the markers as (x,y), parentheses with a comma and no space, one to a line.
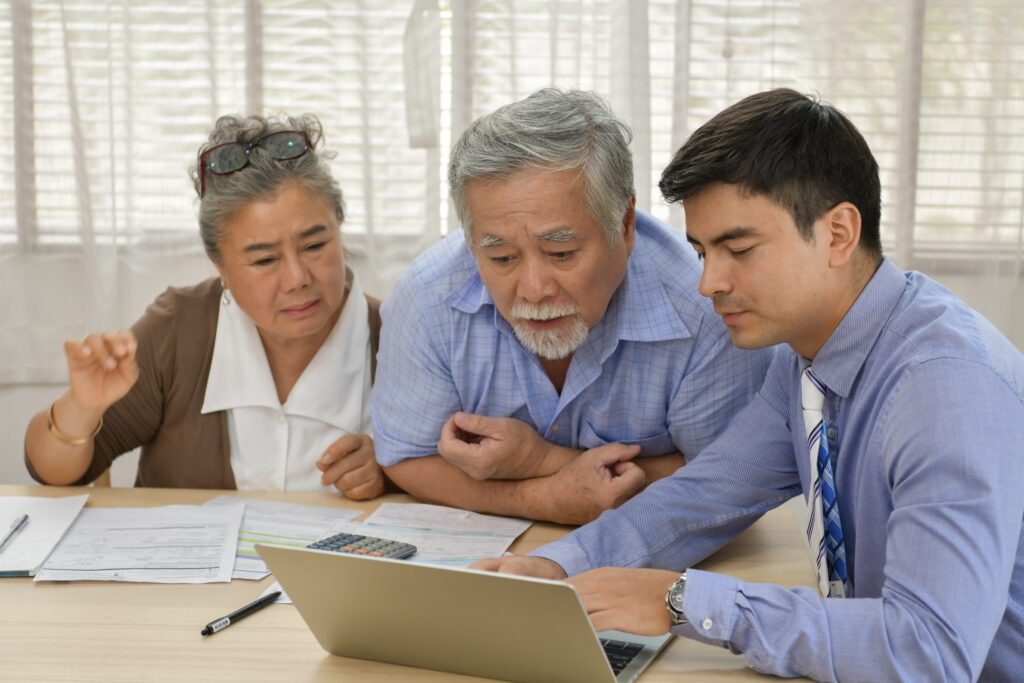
(460,620)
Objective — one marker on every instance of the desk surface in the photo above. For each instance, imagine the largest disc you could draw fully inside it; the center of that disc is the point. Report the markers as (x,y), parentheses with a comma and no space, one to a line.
(101,631)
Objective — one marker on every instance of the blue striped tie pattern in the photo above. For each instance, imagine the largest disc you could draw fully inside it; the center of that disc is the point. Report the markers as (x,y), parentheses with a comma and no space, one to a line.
(824,529)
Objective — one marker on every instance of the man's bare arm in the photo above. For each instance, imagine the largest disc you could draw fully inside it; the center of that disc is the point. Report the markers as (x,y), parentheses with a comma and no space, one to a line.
(597,480)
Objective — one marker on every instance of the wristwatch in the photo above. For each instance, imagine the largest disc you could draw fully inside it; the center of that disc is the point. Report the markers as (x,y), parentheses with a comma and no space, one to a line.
(674,600)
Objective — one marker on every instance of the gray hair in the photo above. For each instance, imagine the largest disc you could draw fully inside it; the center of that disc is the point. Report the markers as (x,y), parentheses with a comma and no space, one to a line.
(227,194)
(553,130)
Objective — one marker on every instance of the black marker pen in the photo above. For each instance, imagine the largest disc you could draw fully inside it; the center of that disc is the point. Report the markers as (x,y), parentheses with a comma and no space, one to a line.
(224,622)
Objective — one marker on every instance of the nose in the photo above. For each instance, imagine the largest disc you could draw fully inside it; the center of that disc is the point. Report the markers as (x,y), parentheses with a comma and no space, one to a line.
(295,274)
(714,279)
(536,282)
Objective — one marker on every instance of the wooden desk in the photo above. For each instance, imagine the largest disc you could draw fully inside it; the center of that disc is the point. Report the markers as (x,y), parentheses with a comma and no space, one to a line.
(101,631)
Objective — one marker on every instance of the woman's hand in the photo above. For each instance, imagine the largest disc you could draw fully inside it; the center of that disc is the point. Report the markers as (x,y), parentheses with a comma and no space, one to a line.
(102,368)
(349,464)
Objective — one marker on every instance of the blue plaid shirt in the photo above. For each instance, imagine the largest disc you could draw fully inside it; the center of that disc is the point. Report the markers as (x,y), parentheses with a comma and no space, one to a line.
(658,369)
(926,399)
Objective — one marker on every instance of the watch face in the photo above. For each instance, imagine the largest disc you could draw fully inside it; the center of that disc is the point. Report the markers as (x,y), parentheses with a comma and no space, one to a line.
(675,596)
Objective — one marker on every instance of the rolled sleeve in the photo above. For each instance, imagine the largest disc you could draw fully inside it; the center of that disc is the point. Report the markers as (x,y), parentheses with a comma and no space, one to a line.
(413,394)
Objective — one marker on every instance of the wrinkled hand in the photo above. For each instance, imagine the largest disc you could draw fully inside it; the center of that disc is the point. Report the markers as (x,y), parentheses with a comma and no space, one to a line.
(631,600)
(101,367)
(349,464)
(538,567)
(596,480)
(494,447)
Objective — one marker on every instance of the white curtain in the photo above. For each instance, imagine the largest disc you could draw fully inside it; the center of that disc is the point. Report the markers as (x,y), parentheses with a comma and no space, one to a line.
(105,105)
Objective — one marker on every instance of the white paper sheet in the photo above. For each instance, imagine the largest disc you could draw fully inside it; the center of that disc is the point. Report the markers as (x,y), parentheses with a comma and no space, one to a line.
(171,544)
(48,521)
(446,519)
(273,523)
(442,535)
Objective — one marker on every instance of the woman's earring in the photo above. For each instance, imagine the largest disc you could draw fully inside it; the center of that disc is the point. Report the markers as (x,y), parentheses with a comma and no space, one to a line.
(225,300)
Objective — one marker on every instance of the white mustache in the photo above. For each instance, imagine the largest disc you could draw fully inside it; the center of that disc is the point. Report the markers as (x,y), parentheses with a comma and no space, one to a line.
(528,311)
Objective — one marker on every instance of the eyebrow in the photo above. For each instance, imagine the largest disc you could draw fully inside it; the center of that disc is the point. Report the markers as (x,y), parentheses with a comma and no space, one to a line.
(734,234)
(558,235)
(263,246)
(493,241)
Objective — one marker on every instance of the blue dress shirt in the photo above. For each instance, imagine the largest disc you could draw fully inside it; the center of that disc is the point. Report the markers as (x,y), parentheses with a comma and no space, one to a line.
(926,399)
(657,370)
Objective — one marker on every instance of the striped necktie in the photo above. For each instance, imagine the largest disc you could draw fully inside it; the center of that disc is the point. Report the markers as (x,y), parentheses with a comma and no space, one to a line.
(824,530)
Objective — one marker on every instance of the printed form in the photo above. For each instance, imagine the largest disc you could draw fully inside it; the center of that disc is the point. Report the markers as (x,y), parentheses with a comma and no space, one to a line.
(282,524)
(171,544)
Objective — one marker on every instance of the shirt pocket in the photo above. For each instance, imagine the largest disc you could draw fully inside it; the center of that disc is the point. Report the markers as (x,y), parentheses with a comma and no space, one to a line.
(657,444)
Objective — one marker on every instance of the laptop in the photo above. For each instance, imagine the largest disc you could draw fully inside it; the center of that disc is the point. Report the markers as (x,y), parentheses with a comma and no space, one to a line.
(465,621)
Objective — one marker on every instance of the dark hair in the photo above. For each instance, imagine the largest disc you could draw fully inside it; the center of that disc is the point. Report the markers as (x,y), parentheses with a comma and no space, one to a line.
(804,155)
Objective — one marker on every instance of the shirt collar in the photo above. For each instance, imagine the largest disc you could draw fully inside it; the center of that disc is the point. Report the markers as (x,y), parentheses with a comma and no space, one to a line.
(239,373)
(639,310)
(330,388)
(840,360)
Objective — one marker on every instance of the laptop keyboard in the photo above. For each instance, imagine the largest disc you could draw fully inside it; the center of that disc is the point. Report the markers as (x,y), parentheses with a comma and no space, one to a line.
(620,653)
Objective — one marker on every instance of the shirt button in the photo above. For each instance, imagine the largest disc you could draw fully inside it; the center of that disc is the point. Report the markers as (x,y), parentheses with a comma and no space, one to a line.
(281,418)
(707,624)
(554,428)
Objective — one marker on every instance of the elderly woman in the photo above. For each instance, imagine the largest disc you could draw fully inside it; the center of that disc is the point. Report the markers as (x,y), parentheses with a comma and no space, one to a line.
(258,379)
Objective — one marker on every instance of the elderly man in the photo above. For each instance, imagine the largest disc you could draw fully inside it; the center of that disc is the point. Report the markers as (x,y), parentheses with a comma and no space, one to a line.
(555,358)
(896,410)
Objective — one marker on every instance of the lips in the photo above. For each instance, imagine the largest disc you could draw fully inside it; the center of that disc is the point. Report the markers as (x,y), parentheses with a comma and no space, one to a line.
(545,324)
(304,308)
(729,317)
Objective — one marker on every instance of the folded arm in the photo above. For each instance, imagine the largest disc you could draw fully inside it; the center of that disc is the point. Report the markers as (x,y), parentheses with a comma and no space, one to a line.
(597,480)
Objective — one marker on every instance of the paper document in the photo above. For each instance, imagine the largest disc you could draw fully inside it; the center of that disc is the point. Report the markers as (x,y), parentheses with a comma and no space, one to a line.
(273,523)
(171,544)
(446,519)
(442,535)
(49,519)
(435,547)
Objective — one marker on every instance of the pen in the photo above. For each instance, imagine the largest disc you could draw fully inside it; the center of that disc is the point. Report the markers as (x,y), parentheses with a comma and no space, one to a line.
(16,526)
(224,622)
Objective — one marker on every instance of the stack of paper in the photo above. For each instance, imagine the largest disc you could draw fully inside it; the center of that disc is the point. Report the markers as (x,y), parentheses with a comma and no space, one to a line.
(171,544)
(272,523)
(48,521)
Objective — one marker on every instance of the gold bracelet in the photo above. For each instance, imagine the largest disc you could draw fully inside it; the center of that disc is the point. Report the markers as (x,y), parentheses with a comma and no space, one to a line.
(69,440)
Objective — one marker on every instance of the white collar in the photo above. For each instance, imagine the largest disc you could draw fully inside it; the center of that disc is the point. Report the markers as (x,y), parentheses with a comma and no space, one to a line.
(329,389)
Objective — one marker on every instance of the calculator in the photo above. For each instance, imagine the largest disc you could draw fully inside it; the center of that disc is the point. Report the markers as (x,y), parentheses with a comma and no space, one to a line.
(364,545)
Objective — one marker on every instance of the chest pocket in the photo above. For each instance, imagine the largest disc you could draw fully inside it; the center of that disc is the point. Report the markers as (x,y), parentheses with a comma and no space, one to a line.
(657,444)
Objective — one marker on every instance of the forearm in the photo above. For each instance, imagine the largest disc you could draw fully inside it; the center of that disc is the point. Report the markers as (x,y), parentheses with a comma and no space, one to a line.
(433,480)
(556,457)
(55,461)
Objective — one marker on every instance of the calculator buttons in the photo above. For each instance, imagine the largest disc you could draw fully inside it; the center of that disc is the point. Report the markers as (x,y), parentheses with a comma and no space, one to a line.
(364,545)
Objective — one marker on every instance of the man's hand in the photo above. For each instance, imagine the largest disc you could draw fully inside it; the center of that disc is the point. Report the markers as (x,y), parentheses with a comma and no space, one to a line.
(498,448)
(538,567)
(349,465)
(631,600)
(597,480)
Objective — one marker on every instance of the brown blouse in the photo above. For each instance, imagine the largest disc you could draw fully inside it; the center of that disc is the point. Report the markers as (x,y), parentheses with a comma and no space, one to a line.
(181,447)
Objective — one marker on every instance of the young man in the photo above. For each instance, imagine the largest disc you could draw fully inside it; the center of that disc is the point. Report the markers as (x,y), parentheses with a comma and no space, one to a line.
(555,357)
(894,408)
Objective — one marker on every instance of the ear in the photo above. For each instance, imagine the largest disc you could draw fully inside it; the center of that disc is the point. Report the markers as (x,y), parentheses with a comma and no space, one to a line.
(629,225)
(220,268)
(843,223)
